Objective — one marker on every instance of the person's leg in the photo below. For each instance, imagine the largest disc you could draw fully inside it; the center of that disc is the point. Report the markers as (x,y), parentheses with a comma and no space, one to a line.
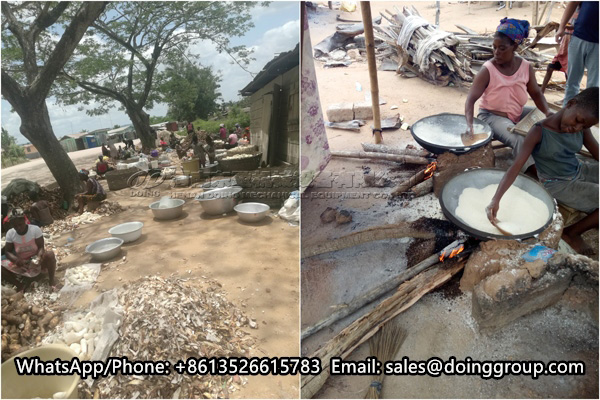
(11,277)
(500,129)
(572,233)
(48,263)
(575,68)
(591,63)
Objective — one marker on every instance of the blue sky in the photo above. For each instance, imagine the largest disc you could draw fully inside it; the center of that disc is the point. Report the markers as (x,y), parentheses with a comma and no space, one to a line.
(276,30)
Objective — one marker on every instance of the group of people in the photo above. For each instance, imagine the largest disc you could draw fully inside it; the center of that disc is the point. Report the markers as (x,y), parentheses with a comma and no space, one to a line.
(548,152)
(232,140)
(24,256)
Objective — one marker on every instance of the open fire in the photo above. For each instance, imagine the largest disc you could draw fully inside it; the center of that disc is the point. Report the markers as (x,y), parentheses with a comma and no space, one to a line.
(430,170)
(451,253)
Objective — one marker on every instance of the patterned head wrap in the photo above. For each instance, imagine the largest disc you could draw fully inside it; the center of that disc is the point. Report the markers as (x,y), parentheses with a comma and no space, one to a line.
(17,213)
(516,29)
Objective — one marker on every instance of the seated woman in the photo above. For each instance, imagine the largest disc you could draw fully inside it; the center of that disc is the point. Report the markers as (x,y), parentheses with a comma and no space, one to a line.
(503,84)
(554,143)
(23,243)
(102,166)
(94,191)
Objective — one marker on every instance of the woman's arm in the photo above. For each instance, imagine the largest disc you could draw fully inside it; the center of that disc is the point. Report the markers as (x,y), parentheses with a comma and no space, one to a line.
(536,93)
(531,140)
(480,83)
(590,143)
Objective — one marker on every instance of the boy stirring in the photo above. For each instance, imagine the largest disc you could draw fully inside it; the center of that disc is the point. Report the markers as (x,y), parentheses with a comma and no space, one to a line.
(553,144)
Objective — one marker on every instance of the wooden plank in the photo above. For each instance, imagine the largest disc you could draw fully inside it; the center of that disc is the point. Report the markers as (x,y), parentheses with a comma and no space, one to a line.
(365,327)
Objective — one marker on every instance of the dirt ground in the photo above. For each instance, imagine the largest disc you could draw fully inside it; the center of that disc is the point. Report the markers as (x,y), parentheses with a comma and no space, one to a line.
(436,326)
(256,264)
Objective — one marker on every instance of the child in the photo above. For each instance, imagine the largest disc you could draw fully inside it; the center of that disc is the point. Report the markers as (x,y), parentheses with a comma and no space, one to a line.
(553,143)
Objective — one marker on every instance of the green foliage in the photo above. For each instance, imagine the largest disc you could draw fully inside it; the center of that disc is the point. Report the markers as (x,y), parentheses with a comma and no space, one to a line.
(158,120)
(190,92)
(235,116)
(119,58)
(12,153)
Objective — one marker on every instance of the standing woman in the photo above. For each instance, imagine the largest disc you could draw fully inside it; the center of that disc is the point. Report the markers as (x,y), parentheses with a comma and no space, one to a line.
(503,84)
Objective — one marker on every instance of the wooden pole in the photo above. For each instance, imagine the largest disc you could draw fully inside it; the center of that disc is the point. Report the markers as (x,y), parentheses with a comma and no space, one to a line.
(365,7)
(391,231)
(437,14)
(401,158)
(382,148)
(373,294)
(361,330)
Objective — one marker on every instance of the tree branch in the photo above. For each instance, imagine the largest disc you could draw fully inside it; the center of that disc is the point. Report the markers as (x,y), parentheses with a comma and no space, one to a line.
(46,19)
(99,25)
(87,13)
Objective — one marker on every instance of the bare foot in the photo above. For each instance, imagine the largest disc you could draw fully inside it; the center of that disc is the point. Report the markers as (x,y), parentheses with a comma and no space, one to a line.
(578,244)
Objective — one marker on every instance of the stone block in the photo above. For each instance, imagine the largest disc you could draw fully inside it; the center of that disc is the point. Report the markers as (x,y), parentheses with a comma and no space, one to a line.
(363,110)
(354,54)
(340,112)
(492,257)
(510,294)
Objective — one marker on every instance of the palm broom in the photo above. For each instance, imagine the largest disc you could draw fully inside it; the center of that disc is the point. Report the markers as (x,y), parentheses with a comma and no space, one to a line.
(384,345)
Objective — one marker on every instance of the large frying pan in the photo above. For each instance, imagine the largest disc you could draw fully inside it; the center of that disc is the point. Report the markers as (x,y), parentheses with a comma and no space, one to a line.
(480,178)
(454,125)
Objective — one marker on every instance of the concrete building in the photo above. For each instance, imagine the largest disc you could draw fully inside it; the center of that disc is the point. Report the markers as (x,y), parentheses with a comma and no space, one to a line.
(30,151)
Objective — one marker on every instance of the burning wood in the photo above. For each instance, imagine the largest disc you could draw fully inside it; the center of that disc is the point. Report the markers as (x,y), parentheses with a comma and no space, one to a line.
(412,181)
(451,253)
(430,170)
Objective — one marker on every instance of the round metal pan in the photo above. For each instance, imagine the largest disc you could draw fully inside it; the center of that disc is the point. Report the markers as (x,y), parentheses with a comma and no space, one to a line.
(455,124)
(480,178)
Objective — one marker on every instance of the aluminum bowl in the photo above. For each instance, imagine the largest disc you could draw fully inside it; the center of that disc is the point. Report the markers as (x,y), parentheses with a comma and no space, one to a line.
(182,180)
(218,201)
(173,210)
(252,212)
(105,249)
(129,231)
(221,183)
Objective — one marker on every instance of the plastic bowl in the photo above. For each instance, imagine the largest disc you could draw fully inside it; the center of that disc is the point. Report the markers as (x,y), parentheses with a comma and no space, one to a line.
(252,212)
(174,208)
(218,201)
(15,386)
(129,231)
(105,249)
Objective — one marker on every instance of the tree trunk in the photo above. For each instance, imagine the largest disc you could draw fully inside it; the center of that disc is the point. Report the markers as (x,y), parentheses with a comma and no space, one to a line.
(141,123)
(36,127)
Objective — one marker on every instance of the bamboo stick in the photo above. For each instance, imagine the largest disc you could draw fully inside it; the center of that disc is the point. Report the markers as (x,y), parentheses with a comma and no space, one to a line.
(381,156)
(344,310)
(361,330)
(392,231)
(365,7)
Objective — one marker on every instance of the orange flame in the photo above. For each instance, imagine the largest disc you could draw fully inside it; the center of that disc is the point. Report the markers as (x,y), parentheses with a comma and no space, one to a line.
(456,251)
(430,170)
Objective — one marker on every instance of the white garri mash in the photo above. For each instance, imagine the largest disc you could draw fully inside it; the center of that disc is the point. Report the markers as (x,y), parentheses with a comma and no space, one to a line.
(519,211)
(441,135)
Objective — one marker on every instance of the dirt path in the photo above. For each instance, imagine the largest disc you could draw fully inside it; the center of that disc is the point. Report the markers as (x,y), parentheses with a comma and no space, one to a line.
(36,170)
(256,264)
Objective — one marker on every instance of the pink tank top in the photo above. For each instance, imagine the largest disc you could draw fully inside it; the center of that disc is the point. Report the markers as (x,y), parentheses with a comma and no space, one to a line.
(507,94)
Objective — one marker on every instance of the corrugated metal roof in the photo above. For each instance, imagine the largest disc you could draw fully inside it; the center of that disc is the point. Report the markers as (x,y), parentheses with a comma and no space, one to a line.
(277,66)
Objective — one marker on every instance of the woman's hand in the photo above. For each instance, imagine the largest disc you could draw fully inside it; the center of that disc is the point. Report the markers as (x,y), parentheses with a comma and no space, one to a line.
(492,210)
(20,262)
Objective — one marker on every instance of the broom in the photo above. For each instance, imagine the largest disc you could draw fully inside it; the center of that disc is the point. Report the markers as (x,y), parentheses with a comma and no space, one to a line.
(384,345)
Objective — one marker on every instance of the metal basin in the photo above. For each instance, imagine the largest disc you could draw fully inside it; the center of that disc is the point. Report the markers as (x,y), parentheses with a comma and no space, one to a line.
(221,183)
(453,125)
(252,212)
(173,209)
(218,201)
(105,249)
(182,180)
(129,231)
(480,178)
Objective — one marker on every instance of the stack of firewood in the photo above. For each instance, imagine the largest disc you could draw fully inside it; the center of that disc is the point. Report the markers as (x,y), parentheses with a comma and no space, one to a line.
(54,198)
(440,57)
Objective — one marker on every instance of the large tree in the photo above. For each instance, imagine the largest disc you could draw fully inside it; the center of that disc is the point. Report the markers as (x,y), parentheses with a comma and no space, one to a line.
(190,92)
(119,60)
(30,66)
